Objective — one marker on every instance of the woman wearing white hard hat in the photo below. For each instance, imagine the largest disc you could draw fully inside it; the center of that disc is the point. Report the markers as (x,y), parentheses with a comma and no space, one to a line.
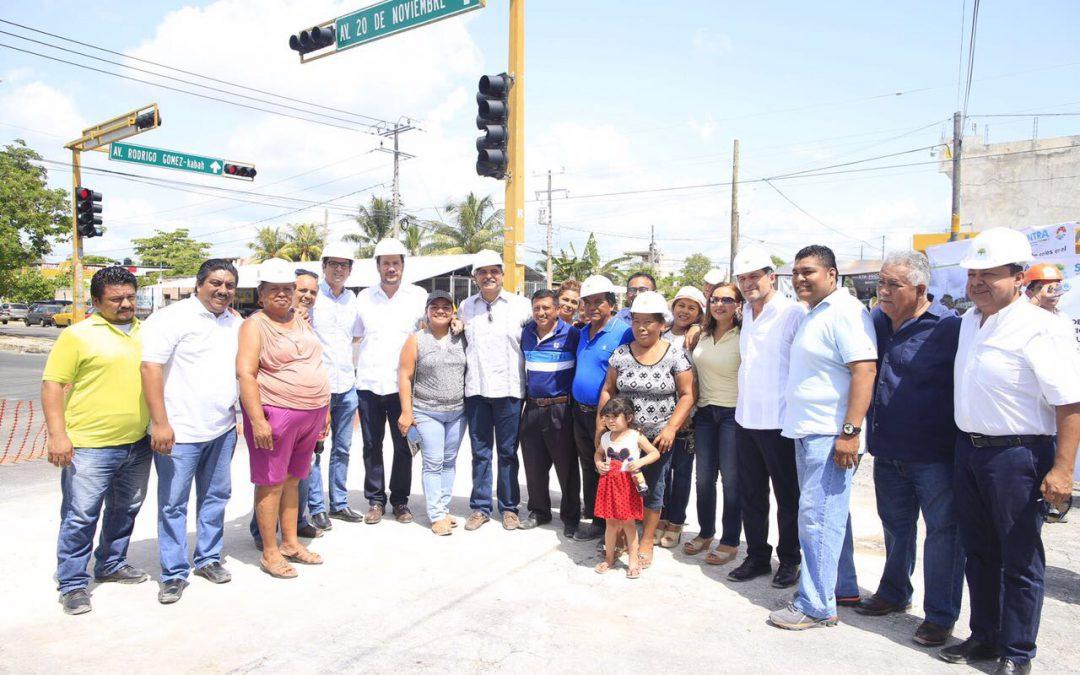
(1017,386)
(285,394)
(687,310)
(656,376)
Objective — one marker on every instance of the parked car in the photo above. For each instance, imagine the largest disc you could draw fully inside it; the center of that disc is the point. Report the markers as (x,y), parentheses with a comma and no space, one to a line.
(41,313)
(63,319)
(13,311)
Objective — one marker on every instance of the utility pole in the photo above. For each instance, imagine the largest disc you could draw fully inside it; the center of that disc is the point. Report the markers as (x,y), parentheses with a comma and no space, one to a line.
(78,302)
(957,148)
(514,210)
(734,209)
(548,220)
(402,125)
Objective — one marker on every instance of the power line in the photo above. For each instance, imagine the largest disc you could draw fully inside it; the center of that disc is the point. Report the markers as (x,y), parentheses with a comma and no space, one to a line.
(971,57)
(1057,114)
(814,218)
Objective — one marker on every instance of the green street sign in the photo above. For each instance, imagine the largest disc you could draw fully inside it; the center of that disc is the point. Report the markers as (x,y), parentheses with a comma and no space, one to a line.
(168,159)
(394,16)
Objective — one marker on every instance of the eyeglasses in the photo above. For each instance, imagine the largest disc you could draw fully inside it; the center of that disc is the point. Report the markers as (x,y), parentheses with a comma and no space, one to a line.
(638,289)
(338,265)
(889,285)
(723,301)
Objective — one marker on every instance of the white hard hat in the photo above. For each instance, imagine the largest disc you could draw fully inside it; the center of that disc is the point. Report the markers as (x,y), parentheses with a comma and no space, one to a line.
(690,293)
(751,259)
(996,247)
(714,277)
(649,302)
(338,249)
(597,284)
(276,271)
(486,258)
(390,247)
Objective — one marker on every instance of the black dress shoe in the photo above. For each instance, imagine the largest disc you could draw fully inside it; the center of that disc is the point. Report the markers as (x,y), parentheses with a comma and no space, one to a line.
(569,530)
(931,634)
(215,573)
(125,574)
(588,532)
(322,521)
(750,569)
(876,606)
(76,601)
(534,520)
(171,591)
(786,576)
(308,531)
(1010,667)
(968,651)
(347,514)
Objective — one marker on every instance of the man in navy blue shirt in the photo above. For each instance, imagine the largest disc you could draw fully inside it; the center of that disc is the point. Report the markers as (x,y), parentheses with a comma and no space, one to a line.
(546,433)
(912,433)
(601,336)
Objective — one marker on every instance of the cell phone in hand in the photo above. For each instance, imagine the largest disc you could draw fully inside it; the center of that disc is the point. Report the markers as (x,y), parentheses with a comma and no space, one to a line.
(413,439)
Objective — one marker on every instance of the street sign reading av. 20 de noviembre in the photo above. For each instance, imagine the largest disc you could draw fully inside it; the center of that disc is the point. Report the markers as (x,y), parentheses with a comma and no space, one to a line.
(394,16)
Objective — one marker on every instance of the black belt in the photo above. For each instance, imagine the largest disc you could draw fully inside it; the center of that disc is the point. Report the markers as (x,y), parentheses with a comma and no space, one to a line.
(544,402)
(591,409)
(981,441)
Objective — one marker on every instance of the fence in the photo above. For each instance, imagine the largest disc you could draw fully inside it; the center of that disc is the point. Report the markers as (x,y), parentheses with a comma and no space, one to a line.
(23,436)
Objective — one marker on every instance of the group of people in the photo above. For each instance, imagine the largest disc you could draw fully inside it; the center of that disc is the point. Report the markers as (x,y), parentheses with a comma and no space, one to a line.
(973,421)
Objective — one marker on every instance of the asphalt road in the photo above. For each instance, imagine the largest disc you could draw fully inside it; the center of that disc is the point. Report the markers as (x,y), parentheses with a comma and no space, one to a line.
(19,329)
(20,375)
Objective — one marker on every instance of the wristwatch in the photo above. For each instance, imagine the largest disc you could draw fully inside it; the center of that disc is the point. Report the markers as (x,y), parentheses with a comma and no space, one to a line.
(850,429)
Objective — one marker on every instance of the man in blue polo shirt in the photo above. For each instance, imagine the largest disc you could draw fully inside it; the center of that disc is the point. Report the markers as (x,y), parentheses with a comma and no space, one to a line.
(599,338)
(912,434)
(546,433)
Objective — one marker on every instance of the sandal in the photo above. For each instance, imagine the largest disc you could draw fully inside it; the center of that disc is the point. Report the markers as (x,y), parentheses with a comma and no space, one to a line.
(279,570)
(633,572)
(303,557)
(645,563)
(602,567)
(671,536)
(697,545)
(661,527)
(721,555)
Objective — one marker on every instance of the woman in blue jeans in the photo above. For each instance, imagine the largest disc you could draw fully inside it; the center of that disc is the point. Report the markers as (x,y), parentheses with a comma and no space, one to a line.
(431,387)
(716,360)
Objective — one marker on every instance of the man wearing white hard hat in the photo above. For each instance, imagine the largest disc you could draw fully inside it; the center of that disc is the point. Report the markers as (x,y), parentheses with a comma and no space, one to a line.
(386,315)
(333,317)
(769,323)
(1017,385)
(712,279)
(494,389)
(601,335)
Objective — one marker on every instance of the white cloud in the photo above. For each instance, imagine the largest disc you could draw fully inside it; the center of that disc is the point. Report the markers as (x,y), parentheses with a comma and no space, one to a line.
(35,110)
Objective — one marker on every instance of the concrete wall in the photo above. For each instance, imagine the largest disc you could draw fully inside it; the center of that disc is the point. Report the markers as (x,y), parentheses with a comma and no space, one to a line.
(1020,183)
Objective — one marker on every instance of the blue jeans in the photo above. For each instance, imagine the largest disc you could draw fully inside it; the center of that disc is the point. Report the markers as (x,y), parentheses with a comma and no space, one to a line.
(115,476)
(824,528)
(342,410)
(714,428)
(680,475)
(494,421)
(656,474)
(440,438)
(208,465)
(903,489)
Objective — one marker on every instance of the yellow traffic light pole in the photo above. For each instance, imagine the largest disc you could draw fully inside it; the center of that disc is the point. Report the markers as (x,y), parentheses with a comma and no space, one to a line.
(514,209)
(78,303)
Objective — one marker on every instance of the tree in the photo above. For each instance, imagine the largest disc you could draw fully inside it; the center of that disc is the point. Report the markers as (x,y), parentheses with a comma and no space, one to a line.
(777,262)
(174,250)
(376,223)
(572,266)
(306,242)
(30,285)
(696,266)
(269,243)
(413,238)
(475,225)
(31,215)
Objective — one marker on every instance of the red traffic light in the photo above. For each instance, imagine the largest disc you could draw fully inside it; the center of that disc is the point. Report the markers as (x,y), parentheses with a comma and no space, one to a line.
(82,193)
(239,171)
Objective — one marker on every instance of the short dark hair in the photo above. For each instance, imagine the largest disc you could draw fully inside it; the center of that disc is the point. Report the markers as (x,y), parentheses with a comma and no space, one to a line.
(545,293)
(110,276)
(1014,268)
(619,405)
(643,274)
(824,254)
(215,265)
(307,273)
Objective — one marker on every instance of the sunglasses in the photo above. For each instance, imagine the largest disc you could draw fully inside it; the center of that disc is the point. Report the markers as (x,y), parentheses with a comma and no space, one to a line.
(337,265)
(723,301)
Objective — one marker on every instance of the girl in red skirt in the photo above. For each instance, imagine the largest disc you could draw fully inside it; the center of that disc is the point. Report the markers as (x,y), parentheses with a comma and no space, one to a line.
(619,458)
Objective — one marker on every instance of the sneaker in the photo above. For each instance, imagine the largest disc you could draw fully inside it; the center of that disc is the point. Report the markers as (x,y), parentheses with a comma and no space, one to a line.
(215,573)
(76,601)
(476,520)
(511,521)
(790,618)
(125,574)
(171,591)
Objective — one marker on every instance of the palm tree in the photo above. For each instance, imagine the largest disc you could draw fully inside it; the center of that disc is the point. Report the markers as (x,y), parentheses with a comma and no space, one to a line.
(475,225)
(269,243)
(376,224)
(573,266)
(306,242)
(413,238)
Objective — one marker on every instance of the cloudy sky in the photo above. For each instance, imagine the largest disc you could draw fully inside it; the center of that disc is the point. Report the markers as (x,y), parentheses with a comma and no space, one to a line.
(622,97)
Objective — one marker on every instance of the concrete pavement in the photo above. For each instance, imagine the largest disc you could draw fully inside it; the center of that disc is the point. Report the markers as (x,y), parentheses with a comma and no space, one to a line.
(21,375)
(394,597)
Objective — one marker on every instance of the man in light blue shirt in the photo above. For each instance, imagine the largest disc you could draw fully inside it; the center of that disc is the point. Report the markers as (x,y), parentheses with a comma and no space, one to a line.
(830,384)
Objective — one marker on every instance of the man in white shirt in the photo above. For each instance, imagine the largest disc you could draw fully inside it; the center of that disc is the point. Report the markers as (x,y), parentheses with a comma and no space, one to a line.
(334,321)
(830,384)
(494,388)
(385,316)
(189,381)
(770,321)
(1017,385)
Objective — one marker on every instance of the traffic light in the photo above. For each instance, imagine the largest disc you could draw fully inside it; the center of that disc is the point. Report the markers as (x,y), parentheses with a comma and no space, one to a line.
(313,39)
(239,171)
(87,208)
(492,112)
(148,120)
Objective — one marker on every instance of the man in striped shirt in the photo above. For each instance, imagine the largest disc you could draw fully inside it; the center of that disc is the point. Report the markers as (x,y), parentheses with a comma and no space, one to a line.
(546,433)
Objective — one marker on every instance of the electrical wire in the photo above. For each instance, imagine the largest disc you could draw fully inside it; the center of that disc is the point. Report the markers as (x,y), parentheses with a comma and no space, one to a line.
(971,57)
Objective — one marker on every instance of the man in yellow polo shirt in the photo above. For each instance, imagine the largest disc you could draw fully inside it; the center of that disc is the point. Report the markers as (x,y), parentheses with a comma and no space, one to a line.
(97,435)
